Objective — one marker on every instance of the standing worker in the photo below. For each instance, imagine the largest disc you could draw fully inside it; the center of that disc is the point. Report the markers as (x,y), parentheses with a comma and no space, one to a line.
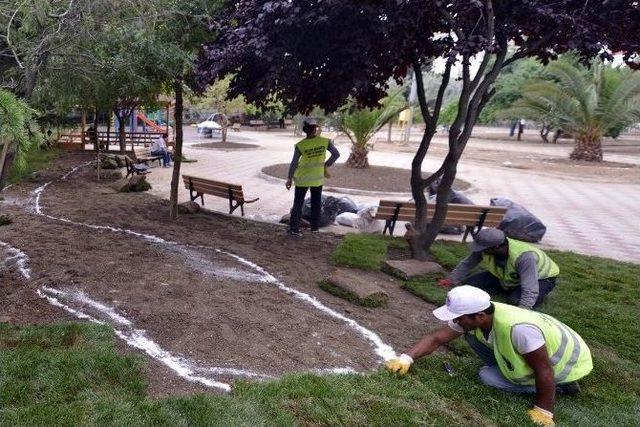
(523,351)
(520,270)
(308,169)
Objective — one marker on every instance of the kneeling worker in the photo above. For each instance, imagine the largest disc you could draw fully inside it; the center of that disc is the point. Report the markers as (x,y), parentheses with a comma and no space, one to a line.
(520,270)
(523,351)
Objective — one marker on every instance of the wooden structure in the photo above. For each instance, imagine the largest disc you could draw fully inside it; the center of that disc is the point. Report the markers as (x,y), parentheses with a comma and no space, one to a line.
(143,155)
(78,141)
(472,217)
(134,168)
(198,187)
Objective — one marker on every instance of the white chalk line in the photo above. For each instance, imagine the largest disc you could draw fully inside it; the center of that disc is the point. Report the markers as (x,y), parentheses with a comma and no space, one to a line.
(20,260)
(381,349)
(134,337)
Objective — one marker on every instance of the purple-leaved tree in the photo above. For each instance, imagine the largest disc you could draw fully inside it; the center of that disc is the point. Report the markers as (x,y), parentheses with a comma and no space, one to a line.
(322,52)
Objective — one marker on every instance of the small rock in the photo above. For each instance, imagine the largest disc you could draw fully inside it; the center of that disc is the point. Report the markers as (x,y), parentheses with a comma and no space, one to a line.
(120,160)
(109,163)
(411,268)
(136,183)
(188,208)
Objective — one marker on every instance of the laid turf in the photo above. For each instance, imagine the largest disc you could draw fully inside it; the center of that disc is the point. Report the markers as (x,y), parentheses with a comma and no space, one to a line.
(71,374)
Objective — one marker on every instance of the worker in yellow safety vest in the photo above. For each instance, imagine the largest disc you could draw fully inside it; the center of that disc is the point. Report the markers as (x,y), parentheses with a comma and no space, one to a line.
(523,351)
(308,170)
(518,270)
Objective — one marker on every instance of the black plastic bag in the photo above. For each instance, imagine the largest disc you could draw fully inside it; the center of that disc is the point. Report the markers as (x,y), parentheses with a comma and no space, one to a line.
(330,207)
(518,222)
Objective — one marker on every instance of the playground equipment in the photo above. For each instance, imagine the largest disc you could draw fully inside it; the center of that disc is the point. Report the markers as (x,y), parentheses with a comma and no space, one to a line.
(150,123)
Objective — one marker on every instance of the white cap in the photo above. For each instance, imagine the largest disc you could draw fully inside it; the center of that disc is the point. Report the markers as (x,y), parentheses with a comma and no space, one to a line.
(463,300)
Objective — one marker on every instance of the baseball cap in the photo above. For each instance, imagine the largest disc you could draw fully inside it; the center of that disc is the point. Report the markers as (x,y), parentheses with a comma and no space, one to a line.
(463,300)
(487,238)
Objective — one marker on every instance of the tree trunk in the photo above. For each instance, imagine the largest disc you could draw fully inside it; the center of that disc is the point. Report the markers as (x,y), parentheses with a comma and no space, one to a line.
(588,147)
(544,133)
(358,158)
(556,136)
(96,141)
(177,154)
(4,168)
(108,129)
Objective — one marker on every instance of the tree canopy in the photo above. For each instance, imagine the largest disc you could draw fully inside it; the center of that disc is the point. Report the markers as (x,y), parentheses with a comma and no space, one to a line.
(310,52)
(320,53)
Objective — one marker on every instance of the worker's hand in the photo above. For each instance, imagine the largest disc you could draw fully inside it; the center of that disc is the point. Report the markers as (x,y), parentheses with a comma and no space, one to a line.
(541,417)
(326,172)
(288,184)
(445,283)
(400,364)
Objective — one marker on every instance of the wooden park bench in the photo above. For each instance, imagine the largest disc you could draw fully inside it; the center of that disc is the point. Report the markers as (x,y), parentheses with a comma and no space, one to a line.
(143,155)
(236,127)
(134,168)
(198,187)
(472,217)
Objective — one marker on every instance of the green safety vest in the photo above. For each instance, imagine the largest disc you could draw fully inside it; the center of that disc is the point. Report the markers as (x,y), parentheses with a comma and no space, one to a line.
(310,170)
(569,356)
(508,275)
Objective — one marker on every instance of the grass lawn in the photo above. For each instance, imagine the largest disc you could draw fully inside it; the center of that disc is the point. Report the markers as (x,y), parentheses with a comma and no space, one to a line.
(37,159)
(71,374)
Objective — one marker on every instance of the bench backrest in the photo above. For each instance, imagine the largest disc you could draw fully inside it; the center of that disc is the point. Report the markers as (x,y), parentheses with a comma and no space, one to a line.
(141,152)
(214,188)
(457,214)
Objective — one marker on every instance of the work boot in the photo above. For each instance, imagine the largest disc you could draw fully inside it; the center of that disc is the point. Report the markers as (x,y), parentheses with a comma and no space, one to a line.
(569,389)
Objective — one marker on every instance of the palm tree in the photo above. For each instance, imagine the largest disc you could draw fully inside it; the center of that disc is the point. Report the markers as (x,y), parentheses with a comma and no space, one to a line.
(18,131)
(589,104)
(361,124)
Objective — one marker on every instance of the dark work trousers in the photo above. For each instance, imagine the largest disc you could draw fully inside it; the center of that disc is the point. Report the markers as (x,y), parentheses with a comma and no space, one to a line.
(491,284)
(298,201)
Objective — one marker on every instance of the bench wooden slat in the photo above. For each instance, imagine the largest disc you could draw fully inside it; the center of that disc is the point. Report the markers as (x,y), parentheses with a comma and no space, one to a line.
(196,181)
(202,186)
(457,214)
(471,217)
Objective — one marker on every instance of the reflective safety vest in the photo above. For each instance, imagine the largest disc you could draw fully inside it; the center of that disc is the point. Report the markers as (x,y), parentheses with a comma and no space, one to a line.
(508,275)
(569,356)
(310,170)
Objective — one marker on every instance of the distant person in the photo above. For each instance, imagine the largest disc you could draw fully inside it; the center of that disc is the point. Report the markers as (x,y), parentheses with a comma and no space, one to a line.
(514,125)
(521,124)
(92,135)
(159,148)
(522,351)
(519,270)
(281,123)
(308,170)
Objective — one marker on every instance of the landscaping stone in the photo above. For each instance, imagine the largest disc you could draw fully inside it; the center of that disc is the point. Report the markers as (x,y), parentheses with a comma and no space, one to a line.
(362,286)
(411,268)
(188,208)
(120,160)
(109,163)
(135,184)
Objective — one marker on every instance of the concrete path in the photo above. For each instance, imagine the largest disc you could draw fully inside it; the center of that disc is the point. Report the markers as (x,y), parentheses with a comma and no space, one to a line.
(586,217)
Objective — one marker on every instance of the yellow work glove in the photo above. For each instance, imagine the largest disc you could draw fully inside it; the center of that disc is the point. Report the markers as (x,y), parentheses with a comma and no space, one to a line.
(541,417)
(400,364)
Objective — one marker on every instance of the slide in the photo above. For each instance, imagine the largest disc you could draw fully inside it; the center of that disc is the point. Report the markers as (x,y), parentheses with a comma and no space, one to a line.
(153,125)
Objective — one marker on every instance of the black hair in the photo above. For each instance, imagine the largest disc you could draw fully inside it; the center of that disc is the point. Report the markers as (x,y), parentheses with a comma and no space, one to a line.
(308,128)
(489,310)
(166,135)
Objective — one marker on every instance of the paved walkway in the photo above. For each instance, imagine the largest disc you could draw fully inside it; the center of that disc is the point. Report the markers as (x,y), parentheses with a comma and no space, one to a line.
(585,217)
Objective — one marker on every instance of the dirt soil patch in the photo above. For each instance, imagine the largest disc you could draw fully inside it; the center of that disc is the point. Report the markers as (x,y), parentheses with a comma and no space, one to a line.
(227,146)
(605,171)
(374,178)
(190,296)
